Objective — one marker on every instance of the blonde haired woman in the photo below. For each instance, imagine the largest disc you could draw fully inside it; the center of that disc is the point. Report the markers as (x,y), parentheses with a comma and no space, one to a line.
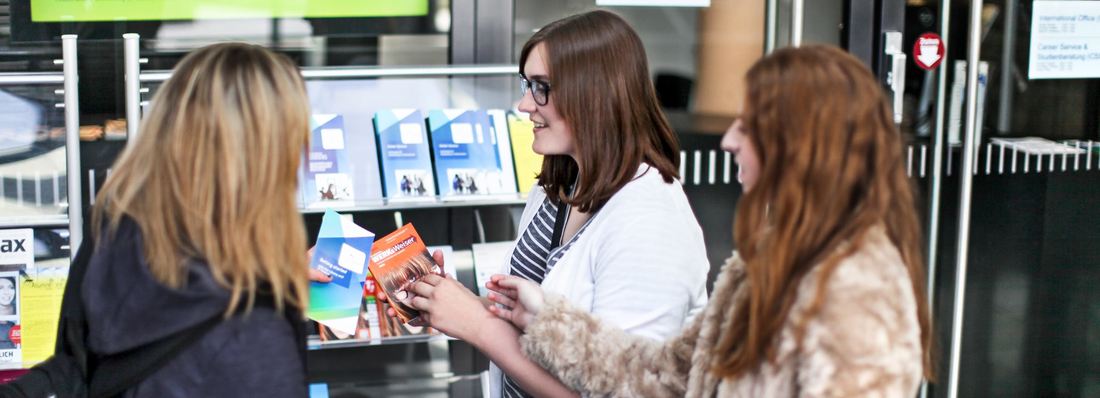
(197,224)
(825,298)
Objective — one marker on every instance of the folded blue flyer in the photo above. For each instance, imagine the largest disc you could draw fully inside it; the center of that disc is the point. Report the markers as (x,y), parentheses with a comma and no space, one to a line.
(342,251)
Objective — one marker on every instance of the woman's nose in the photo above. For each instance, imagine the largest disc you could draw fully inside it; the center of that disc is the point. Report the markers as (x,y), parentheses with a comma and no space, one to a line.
(527,103)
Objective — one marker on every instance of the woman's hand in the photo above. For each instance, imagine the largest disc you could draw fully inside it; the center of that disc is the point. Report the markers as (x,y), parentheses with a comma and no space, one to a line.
(448,306)
(523,297)
(381,295)
(316,275)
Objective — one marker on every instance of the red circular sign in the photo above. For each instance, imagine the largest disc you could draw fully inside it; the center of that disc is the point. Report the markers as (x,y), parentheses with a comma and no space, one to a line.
(928,51)
(16,335)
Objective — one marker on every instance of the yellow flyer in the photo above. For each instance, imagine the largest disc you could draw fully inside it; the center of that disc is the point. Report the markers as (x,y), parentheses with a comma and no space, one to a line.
(40,294)
(528,163)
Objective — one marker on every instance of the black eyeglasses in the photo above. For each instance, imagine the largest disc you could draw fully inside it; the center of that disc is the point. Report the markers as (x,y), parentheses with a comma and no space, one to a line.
(540,90)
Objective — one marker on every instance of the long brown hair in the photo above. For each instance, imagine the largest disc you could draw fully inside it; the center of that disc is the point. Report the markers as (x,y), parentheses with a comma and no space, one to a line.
(831,170)
(601,88)
(212,175)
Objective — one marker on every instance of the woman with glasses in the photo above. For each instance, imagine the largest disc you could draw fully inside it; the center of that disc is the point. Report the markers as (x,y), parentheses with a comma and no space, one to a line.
(825,297)
(608,225)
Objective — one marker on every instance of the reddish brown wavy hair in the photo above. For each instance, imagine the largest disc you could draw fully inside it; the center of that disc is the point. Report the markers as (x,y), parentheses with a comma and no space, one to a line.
(831,170)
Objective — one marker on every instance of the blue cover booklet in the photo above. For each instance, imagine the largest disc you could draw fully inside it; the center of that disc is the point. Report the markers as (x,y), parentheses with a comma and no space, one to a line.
(468,159)
(342,251)
(404,154)
(337,107)
(327,170)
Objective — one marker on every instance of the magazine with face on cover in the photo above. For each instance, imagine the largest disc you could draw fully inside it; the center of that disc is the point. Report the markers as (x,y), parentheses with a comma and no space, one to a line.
(397,261)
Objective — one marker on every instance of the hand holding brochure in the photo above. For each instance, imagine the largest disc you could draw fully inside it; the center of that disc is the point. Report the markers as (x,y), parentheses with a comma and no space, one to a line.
(396,262)
(341,252)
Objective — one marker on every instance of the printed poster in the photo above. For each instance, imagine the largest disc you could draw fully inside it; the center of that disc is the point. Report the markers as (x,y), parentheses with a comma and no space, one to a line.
(16,256)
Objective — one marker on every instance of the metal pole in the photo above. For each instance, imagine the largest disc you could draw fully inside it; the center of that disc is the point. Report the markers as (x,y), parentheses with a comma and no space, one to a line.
(72,142)
(771,25)
(1008,55)
(937,154)
(133,83)
(797,11)
(973,56)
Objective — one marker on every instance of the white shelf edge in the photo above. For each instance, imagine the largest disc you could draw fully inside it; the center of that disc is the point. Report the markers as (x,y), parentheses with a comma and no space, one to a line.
(15,79)
(316,343)
(435,203)
(35,222)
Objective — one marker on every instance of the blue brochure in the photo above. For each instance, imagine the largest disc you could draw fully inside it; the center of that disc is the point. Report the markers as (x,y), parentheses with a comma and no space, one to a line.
(342,251)
(468,159)
(404,155)
(327,170)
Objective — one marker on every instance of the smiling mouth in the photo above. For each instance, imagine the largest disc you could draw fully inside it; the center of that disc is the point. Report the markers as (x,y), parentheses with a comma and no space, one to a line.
(540,125)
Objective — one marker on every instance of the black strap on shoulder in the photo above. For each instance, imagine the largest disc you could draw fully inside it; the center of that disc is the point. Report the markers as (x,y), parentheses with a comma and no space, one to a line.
(117,373)
(559,220)
(559,225)
(73,371)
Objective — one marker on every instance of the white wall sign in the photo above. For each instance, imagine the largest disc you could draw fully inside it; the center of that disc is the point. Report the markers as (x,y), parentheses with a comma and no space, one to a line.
(1065,40)
(663,3)
(17,246)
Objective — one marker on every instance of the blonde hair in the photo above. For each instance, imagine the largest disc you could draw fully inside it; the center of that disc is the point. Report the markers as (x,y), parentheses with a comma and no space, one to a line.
(213,174)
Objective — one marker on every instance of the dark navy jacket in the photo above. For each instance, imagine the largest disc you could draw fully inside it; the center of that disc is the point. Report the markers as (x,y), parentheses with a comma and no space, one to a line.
(253,355)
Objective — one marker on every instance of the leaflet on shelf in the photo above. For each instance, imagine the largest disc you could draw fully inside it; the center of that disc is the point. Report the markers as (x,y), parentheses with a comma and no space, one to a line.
(500,132)
(397,261)
(528,163)
(404,154)
(467,151)
(16,257)
(489,259)
(341,252)
(338,97)
(958,96)
(327,168)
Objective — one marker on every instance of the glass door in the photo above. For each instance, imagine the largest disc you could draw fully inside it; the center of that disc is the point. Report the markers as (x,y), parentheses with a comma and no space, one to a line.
(1003,146)
(1006,130)
(1030,314)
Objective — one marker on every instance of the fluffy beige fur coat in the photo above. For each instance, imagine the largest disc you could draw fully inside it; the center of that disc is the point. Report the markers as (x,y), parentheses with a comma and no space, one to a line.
(864,341)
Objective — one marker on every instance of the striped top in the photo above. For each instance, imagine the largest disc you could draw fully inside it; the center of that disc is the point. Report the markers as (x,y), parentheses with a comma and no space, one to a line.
(534,256)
